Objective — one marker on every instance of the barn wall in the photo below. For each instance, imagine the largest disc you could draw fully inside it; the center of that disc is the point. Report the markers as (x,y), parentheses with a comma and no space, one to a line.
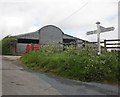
(21,48)
(51,34)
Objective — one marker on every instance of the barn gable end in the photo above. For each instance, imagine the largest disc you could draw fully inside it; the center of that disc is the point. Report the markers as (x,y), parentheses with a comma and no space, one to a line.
(50,34)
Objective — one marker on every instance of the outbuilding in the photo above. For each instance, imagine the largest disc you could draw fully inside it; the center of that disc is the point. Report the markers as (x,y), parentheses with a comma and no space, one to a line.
(45,35)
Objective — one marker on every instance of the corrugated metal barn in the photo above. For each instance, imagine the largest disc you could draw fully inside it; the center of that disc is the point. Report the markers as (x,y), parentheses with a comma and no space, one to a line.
(47,34)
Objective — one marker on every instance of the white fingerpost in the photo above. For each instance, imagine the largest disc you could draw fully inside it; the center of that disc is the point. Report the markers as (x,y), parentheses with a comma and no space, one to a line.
(99,30)
(98,37)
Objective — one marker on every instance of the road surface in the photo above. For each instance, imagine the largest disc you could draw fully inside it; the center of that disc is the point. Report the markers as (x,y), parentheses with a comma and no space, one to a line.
(18,81)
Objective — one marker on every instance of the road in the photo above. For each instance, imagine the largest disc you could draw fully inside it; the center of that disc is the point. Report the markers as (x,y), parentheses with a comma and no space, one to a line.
(18,81)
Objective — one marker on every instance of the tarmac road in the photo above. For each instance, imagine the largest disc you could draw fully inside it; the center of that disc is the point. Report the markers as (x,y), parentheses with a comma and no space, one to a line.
(18,81)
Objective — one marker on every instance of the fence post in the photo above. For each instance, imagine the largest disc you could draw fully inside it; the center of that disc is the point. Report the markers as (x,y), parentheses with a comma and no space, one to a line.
(105,45)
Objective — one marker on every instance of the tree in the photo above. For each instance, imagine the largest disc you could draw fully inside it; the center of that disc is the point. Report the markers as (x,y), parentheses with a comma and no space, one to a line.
(7,44)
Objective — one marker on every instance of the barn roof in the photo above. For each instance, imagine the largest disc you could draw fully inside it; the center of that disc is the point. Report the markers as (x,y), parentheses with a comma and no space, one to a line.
(51,26)
(35,35)
(66,36)
(31,35)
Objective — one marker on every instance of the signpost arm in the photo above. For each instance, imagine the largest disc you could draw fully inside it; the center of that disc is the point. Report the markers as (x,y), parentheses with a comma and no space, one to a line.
(98,37)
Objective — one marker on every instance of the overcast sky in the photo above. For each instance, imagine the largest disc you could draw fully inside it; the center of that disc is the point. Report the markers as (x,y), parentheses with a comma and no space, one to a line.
(74,17)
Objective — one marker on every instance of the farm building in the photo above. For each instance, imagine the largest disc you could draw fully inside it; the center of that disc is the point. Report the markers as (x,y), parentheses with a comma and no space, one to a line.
(45,35)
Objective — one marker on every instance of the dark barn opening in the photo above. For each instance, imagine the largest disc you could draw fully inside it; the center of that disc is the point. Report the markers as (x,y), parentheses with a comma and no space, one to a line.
(34,41)
(69,41)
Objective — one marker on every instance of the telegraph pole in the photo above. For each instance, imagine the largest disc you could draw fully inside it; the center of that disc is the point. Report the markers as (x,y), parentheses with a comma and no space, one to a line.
(98,37)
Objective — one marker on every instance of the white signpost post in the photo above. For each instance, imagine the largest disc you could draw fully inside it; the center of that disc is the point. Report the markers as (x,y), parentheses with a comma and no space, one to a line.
(99,30)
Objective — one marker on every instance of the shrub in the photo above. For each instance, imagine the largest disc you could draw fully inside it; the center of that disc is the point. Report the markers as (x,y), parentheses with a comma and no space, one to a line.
(6,45)
(80,64)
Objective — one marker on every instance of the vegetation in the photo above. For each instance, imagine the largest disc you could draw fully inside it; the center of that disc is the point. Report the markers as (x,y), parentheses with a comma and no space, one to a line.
(79,64)
(6,45)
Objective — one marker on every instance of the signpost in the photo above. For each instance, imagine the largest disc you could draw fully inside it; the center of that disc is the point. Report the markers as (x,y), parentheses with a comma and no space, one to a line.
(98,37)
(99,30)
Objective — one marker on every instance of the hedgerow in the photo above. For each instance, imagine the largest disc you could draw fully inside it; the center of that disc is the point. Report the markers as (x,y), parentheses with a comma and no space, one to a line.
(79,64)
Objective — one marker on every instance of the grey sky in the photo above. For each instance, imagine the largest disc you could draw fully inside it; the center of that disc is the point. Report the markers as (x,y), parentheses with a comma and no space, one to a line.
(74,17)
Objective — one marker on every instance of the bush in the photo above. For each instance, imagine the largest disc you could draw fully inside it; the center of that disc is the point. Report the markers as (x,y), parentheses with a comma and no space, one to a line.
(6,45)
(82,64)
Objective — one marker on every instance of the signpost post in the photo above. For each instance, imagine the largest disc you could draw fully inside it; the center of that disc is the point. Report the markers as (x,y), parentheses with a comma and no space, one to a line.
(98,37)
(99,30)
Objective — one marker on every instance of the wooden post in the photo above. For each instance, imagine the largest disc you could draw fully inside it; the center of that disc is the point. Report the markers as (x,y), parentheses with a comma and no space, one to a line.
(16,46)
(39,36)
(105,45)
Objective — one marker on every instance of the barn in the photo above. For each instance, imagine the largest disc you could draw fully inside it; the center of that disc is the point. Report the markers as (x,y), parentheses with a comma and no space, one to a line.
(45,35)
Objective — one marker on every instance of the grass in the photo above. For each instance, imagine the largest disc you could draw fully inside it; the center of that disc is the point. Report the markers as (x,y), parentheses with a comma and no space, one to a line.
(81,64)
